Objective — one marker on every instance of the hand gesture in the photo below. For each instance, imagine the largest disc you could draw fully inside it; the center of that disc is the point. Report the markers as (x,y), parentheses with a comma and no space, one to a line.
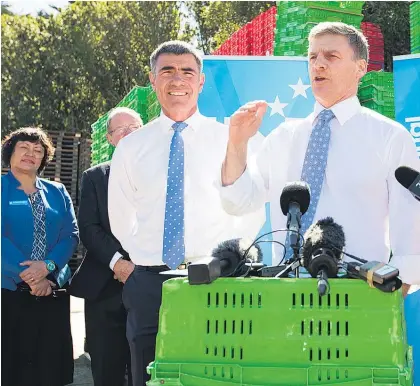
(245,122)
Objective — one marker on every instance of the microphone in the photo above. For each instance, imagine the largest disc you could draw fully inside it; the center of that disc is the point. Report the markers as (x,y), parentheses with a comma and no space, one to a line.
(410,179)
(227,259)
(322,251)
(294,202)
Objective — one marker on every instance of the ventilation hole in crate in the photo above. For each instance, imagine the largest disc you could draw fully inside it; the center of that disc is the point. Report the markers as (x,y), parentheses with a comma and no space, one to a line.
(225,326)
(259,300)
(337,374)
(214,371)
(347,328)
(224,351)
(241,353)
(302,300)
(320,301)
(311,300)
(319,354)
(250,327)
(346,374)
(205,370)
(294,300)
(347,353)
(223,372)
(233,326)
(233,300)
(329,300)
(242,300)
(320,328)
(208,299)
(337,354)
(310,355)
(337,300)
(231,372)
(242,327)
(338,328)
(302,327)
(328,375)
(232,353)
(217,299)
(329,327)
(346,300)
(328,354)
(311,327)
(216,326)
(319,375)
(250,300)
(215,351)
(207,350)
(226,300)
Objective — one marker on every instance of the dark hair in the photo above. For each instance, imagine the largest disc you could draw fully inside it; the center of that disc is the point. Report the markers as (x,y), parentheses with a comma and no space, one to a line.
(175,47)
(30,134)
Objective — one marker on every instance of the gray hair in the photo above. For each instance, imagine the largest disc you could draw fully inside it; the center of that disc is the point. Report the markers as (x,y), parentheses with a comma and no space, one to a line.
(175,47)
(122,110)
(356,39)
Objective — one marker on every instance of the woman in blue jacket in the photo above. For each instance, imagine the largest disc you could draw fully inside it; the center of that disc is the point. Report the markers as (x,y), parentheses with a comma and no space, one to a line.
(39,236)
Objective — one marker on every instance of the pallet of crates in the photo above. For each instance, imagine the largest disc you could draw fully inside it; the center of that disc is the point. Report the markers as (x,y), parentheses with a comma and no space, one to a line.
(375,40)
(266,332)
(415,27)
(376,92)
(269,24)
(295,19)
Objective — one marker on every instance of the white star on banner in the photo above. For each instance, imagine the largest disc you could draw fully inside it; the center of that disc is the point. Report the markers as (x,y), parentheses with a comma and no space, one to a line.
(277,107)
(299,88)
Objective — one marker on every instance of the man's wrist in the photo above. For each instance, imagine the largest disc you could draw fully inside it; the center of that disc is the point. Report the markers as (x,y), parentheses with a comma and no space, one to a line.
(117,256)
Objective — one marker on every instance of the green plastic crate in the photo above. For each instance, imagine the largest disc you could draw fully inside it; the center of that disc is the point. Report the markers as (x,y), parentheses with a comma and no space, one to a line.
(376,93)
(387,109)
(272,332)
(378,79)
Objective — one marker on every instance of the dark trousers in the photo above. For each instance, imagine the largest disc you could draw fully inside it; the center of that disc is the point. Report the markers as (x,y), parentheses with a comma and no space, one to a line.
(142,295)
(106,321)
(36,342)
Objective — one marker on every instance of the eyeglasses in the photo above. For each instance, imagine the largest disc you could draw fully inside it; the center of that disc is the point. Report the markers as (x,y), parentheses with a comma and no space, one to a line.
(123,129)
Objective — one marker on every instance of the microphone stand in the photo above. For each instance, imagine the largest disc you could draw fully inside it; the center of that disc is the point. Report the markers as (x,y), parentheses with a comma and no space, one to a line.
(293,225)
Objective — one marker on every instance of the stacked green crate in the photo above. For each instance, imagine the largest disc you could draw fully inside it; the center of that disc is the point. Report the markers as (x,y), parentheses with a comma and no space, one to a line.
(415,27)
(138,100)
(295,19)
(376,92)
(153,109)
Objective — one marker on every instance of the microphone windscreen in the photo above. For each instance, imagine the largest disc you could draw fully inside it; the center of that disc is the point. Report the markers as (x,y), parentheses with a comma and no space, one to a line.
(298,192)
(406,176)
(235,249)
(325,233)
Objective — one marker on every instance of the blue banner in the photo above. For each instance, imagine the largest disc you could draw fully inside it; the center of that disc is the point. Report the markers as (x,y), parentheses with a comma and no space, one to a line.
(407,94)
(407,112)
(282,81)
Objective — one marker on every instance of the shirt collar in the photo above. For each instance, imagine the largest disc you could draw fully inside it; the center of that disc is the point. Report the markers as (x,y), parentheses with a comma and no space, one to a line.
(16,183)
(343,110)
(192,121)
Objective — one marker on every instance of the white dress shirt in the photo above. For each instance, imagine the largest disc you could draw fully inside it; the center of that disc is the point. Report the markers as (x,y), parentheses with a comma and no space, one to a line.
(137,190)
(360,191)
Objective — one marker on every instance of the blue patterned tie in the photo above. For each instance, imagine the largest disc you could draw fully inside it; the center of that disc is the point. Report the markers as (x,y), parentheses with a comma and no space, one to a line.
(39,246)
(315,163)
(173,234)
(314,166)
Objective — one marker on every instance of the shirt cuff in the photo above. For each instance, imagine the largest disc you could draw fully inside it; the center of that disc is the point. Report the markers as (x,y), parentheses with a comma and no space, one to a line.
(235,196)
(114,260)
(409,267)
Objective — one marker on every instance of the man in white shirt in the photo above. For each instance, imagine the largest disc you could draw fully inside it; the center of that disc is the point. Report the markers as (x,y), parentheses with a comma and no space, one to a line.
(164,204)
(347,153)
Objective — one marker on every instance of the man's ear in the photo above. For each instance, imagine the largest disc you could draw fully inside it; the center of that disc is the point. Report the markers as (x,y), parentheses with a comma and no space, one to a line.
(152,79)
(202,80)
(361,68)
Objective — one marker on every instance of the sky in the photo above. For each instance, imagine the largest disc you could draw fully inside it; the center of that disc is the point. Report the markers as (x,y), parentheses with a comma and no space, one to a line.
(33,6)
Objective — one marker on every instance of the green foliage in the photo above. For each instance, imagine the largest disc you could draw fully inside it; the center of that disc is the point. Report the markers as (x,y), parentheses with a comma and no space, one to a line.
(62,72)
(393,18)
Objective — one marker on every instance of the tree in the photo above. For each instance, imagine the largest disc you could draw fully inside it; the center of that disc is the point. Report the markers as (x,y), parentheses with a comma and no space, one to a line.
(5,8)
(215,21)
(65,70)
(393,18)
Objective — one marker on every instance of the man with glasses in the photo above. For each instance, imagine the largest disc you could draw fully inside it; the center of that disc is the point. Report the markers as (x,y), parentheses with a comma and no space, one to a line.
(100,278)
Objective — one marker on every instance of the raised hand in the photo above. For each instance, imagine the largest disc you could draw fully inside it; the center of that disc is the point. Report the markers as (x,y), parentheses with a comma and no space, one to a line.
(245,122)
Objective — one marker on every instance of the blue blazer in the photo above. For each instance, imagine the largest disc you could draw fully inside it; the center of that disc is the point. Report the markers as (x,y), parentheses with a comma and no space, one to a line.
(17,228)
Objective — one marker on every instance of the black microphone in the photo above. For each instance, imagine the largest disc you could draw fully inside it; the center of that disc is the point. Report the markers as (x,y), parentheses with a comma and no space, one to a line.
(322,251)
(294,202)
(227,259)
(410,179)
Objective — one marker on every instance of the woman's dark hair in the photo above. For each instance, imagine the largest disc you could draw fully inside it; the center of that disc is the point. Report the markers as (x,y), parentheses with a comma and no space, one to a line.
(30,134)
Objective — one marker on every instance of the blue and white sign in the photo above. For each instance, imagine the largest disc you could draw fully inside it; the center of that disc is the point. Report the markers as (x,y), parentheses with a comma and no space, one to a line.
(407,94)
(282,81)
(407,112)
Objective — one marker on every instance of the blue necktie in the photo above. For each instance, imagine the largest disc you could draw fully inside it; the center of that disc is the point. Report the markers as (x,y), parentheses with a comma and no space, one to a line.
(173,234)
(314,166)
